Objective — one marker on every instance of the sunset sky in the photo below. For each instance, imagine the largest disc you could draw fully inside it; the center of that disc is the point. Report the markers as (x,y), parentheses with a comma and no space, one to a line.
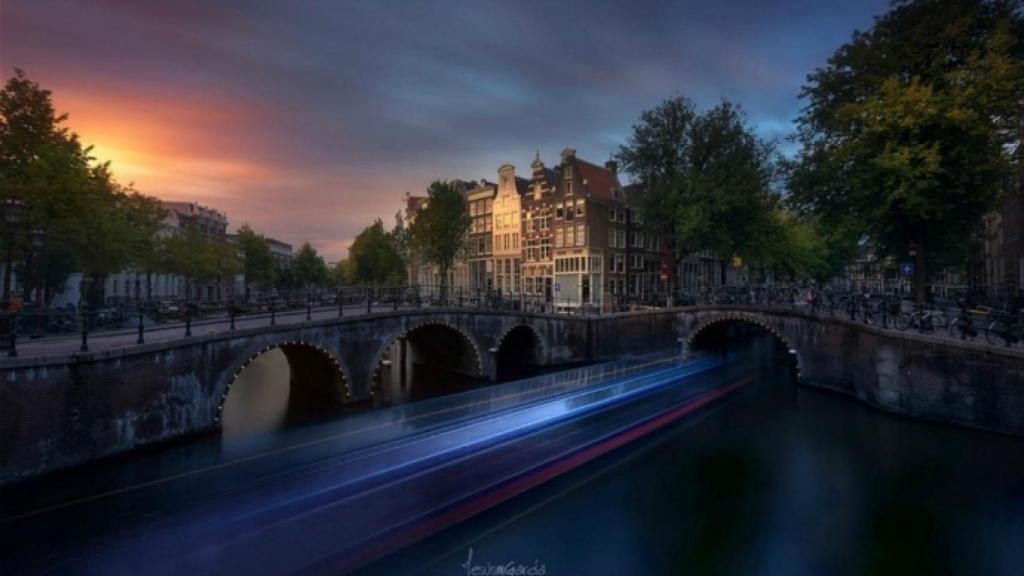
(309,119)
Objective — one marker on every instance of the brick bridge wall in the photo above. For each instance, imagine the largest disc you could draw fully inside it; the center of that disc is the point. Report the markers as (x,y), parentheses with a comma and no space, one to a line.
(58,412)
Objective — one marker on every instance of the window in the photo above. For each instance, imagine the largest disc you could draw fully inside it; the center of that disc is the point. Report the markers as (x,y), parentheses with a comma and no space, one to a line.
(581,237)
(558,237)
(611,238)
(568,188)
(622,238)
(619,263)
(568,172)
(611,214)
(558,211)
(569,238)
(579,206)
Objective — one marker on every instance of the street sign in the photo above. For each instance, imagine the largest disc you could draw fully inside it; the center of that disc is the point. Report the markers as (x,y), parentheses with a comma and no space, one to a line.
(907,269)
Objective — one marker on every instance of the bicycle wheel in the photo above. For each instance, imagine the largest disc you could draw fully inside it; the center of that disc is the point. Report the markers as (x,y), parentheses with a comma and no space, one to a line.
(995,332)
(904,321)
(926,324)
(955,329)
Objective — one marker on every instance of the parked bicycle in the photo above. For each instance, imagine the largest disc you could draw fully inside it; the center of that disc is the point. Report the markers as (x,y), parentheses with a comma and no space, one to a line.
(962,324)
(922,319)
(1005,327)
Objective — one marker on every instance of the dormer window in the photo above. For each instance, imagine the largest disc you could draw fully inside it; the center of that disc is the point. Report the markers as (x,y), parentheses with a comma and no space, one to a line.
(568,172)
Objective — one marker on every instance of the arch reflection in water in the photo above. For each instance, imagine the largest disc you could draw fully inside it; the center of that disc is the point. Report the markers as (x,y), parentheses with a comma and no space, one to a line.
(753,344)
(288,384)
(426,361)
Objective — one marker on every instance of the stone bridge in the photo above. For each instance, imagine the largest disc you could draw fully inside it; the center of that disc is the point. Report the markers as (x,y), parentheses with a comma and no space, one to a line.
(56,412)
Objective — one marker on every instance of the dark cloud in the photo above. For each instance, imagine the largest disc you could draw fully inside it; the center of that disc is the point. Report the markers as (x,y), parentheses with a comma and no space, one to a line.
(308,118)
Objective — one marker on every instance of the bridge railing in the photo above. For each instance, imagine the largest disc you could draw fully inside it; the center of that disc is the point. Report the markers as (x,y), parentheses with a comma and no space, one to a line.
(36,332)
(948,320)
(39,332)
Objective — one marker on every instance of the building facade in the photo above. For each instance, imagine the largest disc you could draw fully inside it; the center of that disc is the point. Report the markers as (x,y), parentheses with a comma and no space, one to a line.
(131,285)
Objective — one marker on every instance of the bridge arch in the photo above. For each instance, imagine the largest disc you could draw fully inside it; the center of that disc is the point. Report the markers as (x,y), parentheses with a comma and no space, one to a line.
(517,351)
(281,383)
(703,327)
(429,351)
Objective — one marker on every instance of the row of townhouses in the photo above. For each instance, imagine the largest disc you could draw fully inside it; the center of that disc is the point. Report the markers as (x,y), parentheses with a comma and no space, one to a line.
(567,234)
(130,285)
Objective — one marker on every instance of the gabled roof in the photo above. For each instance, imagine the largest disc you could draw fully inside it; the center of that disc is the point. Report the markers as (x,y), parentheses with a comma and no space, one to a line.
(598,180)
(522,185)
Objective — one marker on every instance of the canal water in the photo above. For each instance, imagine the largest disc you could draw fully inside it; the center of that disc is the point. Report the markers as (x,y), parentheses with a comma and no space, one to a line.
(777,479)
(773,479)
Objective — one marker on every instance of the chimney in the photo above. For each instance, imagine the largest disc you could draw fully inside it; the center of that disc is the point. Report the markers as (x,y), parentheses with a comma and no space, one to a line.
(612,166)
(567,154)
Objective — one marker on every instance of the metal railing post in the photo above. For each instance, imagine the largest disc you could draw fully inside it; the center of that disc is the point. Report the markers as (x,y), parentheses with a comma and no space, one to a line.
(273,312)
(341,304)
(141,339)
(397,292)
(369,300)
(309,308)
(460,296)
(12,329)
(231,314)
(188,320)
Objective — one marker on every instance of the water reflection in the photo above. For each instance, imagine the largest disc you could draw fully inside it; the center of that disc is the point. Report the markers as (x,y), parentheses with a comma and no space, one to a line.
(780,479)
(258,400)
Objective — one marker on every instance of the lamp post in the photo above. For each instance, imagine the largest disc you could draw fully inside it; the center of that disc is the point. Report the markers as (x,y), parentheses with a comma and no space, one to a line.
(10,214)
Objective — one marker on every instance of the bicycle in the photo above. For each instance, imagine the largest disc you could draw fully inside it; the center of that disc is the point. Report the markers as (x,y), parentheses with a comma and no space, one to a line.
(1003,326)
(961,326)
(921,319)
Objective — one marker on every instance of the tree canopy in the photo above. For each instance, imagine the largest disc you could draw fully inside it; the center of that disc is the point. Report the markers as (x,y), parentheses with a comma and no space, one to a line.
(704,181)
(908,129)
(375,256)
(257,260)
(309,267)
(440,228)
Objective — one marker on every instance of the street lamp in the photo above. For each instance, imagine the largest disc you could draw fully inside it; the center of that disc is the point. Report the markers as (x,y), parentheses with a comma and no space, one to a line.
(10,214)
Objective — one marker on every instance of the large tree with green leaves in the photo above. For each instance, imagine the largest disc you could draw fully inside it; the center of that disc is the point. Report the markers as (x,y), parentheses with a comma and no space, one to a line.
(309,267)
(909,128)
(192,256)
(704,180)
(374,256)
(257,260)
(439,230)
(75,216)
(146,218)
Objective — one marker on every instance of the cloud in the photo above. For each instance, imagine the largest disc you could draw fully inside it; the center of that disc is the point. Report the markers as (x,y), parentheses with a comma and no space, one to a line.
(309,119)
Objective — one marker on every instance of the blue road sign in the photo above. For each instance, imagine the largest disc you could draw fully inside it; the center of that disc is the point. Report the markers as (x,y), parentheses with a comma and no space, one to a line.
(907,269)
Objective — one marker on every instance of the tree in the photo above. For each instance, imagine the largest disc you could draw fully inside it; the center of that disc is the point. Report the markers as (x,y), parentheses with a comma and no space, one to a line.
(257,260)
(705,181)
(908,129)
(45,167)
(374,256)
(145,216)
(76,216)
(309,267)
(226,264)
(191,256)
(439,230)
